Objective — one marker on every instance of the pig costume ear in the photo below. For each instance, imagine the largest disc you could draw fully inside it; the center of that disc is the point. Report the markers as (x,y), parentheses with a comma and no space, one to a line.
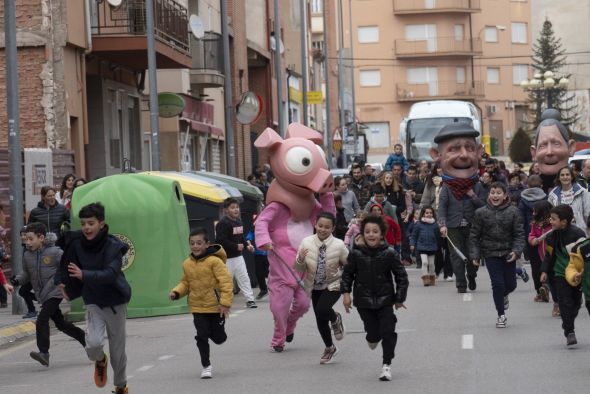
(267,139)
(301,131)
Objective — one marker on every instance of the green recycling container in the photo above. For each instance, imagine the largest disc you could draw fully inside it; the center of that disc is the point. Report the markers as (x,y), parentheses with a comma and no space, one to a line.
(148,213)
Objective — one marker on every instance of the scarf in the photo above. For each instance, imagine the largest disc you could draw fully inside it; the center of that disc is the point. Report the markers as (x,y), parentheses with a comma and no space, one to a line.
(96,244)
(459,186)
(428,220)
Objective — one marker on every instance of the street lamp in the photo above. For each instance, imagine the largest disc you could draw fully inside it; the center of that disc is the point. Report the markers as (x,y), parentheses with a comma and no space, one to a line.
(546,84)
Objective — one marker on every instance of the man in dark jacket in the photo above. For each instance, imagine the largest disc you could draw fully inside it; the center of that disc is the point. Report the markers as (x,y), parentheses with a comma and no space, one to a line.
(360,186)
(458,155)
(93,260)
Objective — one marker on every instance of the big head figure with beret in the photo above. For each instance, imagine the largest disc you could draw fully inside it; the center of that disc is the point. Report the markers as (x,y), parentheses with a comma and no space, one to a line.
(458,152)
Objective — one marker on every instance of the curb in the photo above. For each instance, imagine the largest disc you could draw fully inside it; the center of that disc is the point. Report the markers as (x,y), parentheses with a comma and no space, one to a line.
(11,333)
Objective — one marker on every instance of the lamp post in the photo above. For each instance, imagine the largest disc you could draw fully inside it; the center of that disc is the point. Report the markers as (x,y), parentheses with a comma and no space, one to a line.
(545,86)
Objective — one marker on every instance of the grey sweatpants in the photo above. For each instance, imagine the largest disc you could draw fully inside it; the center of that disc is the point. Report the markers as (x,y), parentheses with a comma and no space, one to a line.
(111,320)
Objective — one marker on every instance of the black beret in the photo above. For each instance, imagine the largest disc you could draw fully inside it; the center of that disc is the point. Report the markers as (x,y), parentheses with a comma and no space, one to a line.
(455,130)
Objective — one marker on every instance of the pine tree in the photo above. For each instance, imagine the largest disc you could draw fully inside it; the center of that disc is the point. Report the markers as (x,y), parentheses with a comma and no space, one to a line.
(549,55)
(519,149)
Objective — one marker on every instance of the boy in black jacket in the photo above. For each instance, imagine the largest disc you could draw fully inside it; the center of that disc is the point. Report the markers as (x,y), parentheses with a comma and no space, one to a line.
(229,233)
(92,267)
(559,244)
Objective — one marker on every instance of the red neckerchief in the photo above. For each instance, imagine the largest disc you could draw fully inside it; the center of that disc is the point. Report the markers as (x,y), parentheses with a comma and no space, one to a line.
(460,186)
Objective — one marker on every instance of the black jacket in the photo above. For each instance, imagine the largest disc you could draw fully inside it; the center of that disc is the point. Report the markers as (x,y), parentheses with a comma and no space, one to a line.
(229,234)
(52,217)
(103,282)
(370,271)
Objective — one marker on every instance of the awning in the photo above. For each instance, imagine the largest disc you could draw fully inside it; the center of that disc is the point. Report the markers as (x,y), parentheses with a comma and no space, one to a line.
(200,116)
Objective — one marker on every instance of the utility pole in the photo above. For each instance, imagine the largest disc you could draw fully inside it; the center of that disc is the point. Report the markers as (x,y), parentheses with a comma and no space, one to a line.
(343,131)
(327,76)
(354,122)
(227,93)
(14,148)
(154,111)
(279,67)
(304,71)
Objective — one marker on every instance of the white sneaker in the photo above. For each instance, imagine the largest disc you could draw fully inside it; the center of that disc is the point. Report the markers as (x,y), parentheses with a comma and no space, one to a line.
(385,373)
(206,373)
(501,322)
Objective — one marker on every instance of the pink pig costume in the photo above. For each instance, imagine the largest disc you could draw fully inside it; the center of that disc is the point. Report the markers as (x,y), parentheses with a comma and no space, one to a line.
(300,170)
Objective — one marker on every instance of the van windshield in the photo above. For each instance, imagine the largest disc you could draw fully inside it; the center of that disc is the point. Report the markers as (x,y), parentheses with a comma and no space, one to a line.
(421,133)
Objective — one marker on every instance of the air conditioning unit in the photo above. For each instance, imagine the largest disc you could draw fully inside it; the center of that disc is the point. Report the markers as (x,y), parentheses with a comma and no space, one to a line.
(492,109)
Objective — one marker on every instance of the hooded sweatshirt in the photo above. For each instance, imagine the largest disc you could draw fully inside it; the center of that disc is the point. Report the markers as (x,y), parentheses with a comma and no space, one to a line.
(528,198)
(393,235)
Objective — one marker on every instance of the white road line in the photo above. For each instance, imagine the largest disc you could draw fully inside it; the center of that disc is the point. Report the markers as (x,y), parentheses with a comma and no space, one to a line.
(166,357)
(467,341)
(144,368)
(467,297)
(239,311)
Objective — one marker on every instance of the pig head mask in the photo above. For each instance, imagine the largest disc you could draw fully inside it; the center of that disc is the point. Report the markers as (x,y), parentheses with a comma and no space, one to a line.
(299,166)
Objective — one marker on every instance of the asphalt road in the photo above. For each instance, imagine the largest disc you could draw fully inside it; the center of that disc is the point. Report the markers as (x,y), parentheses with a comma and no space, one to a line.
(447,343)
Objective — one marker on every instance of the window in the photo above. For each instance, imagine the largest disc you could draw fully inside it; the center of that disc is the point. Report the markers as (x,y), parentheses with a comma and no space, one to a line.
(420,32)
(419,75)
(368,34)
(460,72)
(493,75)
(519,33)
(317,6)
(520,72)
(378,134)
(459,32)
(370,77)
(491,34)
(319,45)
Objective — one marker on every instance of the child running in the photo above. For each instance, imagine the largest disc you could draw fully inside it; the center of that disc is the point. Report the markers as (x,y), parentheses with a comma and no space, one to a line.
(321,256)
(559,244)
(497,235)
(229,233)
(426,239)
(41,261)
(577,272)
(540,229)
(354,228)
(209,287)
(369,274)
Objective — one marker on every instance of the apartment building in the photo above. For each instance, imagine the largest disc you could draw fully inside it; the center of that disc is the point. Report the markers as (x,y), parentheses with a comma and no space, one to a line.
(406,51)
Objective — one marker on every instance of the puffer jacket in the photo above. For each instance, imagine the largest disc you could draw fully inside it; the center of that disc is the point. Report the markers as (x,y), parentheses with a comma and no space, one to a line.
(496,232)
(370,271)
(528,198)
(52,217)
(39,268)
(336,254)
(580,205)
(425,236)
(206,281)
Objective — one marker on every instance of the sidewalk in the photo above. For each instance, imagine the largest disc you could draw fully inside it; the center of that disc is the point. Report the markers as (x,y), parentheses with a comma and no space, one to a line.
(13,327)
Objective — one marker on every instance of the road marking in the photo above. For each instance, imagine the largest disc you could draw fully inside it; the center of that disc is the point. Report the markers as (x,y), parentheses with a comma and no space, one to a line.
(166,357)
(239,311)
(467,341)
(467,297)
(144,368)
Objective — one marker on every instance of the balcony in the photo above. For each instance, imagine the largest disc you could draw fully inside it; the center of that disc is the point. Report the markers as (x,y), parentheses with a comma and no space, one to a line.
(404,7)
(437,47)
(119,33)
(441,90)
(207,68)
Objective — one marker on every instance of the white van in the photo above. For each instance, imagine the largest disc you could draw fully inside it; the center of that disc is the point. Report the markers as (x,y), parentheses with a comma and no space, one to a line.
(426,118)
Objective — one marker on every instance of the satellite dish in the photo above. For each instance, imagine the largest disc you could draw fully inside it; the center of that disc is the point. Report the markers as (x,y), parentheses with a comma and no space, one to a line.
(196,26)
(115,3)
(249,109)
(170,104)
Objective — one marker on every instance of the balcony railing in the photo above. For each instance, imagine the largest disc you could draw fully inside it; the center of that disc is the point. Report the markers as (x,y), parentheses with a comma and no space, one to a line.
(441,46)
(435,6)
(129,19)
(439,90)
(208,53)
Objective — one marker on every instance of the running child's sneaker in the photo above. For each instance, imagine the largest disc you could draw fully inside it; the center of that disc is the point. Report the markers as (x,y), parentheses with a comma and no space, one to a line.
(571,339)
(544,292)
(206,372)
(338,327)
(524,275)
(100,372)
(121,390)
(501,322)
(277,349)
(261,295)
(289,338)
(251,305)
(43,358)
(328,355)
(385,373)
(30,315)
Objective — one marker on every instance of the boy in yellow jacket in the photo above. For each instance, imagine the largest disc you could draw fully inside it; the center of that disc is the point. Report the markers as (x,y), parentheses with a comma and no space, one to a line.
(209,287)
(577,273)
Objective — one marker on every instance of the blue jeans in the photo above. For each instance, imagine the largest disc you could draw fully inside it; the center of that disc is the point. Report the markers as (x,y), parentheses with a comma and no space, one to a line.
(503,276)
